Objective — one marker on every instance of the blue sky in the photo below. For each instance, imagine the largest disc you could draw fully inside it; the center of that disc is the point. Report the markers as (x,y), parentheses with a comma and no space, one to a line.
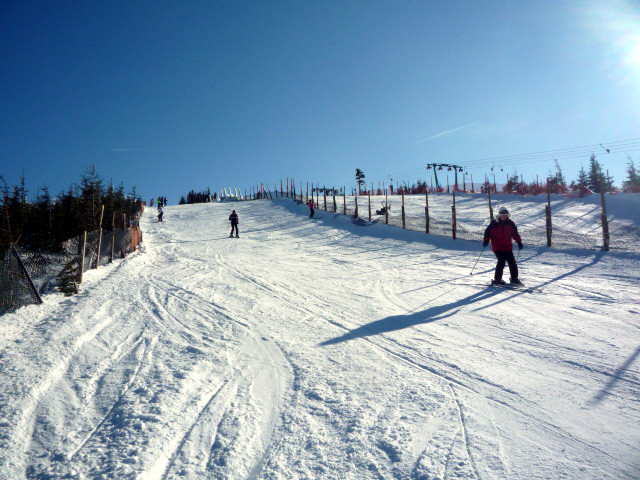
(171,96)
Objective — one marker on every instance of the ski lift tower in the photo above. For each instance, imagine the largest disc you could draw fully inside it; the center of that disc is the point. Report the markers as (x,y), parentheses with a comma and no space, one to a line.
(449,167)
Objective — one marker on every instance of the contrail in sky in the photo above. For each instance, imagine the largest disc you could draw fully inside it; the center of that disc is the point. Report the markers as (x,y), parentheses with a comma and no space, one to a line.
(445,133)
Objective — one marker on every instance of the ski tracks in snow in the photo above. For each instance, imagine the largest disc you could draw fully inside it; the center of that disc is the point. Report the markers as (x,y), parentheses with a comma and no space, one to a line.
(303,351)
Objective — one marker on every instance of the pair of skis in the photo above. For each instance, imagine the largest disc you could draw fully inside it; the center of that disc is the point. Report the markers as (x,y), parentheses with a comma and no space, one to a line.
(515,286)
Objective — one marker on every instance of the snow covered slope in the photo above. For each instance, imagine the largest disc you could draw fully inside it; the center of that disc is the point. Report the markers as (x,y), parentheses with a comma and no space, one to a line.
(324,349)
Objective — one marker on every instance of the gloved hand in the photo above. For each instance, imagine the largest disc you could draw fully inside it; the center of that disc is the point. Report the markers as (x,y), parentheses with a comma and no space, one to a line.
(484,244)
(520,246)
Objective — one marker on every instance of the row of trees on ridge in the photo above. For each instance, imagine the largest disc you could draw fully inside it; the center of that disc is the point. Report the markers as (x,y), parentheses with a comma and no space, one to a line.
(46,222)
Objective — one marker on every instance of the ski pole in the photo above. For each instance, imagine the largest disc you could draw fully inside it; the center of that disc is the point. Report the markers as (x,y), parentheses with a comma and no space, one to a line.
(474,265)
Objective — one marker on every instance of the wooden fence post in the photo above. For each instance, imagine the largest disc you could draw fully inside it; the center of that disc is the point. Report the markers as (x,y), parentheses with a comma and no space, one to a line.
(335,205)
(453,216)
(426,209)
(490,207)
(548,215)
(324,196)
(344,200)
(605,221)
(386,208)
(355,197)
(99,236)
(307,196)
(370,205)
(404,225)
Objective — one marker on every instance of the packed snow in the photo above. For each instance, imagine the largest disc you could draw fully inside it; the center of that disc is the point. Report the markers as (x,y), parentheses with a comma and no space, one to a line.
(326,349)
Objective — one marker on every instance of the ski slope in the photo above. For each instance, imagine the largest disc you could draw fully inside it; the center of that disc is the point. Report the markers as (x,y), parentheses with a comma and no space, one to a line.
(323,349)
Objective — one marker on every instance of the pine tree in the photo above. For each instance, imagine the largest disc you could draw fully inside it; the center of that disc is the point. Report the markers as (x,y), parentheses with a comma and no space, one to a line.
(583,178)
(595,176)
(109,202)
(580,184)
(512,183)
(41,222)
(359,178)
(91,198)
(559,177)
(632,184)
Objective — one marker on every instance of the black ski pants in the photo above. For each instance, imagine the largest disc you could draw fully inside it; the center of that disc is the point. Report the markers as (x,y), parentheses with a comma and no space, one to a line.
(311,213)
(506,257)
(234,226)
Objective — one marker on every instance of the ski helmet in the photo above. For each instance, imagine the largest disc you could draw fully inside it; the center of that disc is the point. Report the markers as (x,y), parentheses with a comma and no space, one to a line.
(504,211)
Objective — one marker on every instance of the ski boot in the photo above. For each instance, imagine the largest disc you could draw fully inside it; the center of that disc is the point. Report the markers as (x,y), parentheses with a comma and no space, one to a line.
(498,282)
(515,281)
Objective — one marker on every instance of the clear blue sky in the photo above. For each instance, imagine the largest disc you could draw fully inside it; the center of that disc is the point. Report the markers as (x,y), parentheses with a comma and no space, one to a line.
(172,95)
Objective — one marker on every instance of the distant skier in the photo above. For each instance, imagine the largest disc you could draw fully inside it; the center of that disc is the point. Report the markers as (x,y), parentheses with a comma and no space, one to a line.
(311,210)
(160,213)
(500,233)
(233,218)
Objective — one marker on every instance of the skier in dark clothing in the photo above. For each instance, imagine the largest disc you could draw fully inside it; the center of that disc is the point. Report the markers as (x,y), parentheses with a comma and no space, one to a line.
(500,233)
(233,218)
(160,213)
(311,210)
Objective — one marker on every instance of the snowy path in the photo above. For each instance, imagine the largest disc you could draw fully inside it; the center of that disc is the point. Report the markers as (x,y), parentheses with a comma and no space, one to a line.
(320,349)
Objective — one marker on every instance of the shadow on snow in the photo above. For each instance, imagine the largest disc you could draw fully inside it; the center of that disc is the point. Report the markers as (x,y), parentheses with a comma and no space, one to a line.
(399,322)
